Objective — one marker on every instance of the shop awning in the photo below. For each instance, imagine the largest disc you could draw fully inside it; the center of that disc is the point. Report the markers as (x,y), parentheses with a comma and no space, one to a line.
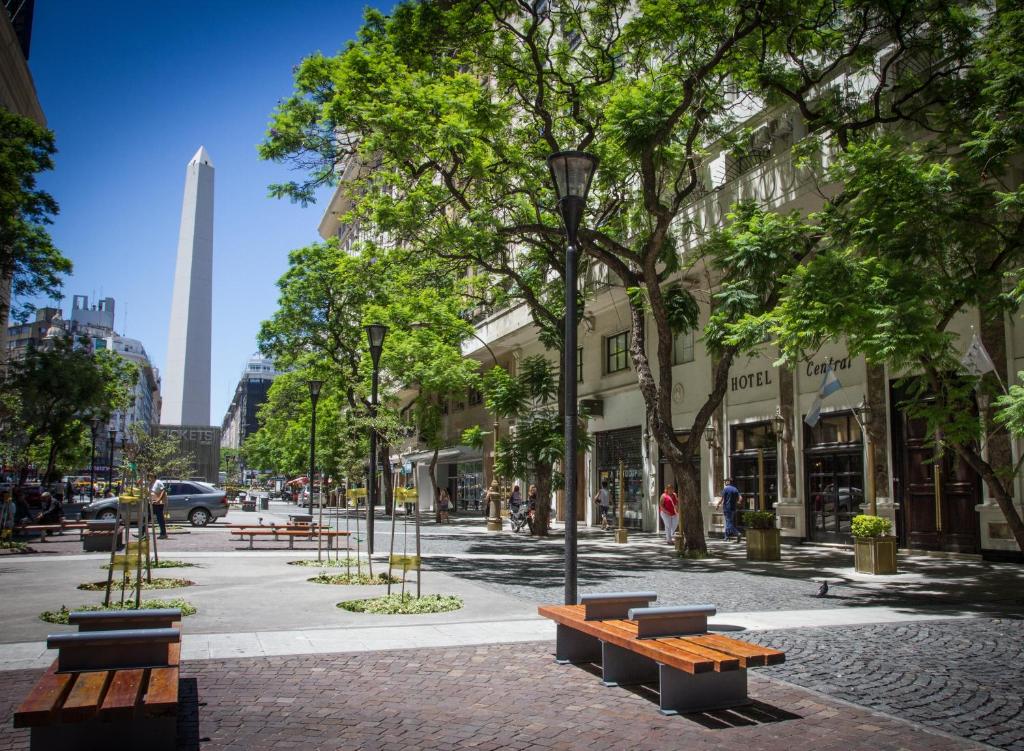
(452,455)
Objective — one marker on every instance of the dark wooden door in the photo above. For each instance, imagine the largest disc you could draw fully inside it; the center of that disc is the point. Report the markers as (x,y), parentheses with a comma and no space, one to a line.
(948,522)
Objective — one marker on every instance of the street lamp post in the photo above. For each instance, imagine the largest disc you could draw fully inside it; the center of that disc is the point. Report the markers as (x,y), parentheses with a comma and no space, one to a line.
(94,426)
(571,173)
(375,334)
(863,413)
(314,395)
(112,436)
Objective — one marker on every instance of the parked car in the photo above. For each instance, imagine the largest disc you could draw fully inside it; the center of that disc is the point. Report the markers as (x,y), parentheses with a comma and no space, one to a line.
(196,502)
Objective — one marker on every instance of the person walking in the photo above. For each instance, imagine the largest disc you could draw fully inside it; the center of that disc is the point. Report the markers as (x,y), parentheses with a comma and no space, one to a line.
(728,503)
(603,499)
(668,508)
(444,501)
(158,497)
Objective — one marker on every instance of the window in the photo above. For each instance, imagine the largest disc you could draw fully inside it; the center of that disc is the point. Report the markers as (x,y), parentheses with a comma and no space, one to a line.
(682,348)
(474,397)
(616,352)
(579,364)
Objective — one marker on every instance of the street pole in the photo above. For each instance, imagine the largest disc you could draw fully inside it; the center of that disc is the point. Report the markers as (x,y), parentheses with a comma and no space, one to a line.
(762,502)
(571,173)
(371,487)
(571,419)
(112,435)
(620,534)
(375,333)
(92,466)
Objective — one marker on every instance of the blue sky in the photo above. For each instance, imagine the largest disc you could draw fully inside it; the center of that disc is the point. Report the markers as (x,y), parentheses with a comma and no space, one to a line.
(132,88)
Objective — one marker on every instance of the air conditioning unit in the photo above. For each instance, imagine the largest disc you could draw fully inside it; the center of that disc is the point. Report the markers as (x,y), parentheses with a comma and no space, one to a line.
(761,138)
(592,407)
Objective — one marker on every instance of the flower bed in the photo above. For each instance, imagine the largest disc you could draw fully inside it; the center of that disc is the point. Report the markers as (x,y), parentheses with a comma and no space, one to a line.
(61,615)
(403,605)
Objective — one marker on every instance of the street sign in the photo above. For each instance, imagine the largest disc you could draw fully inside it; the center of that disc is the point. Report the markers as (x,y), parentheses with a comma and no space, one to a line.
(405,562)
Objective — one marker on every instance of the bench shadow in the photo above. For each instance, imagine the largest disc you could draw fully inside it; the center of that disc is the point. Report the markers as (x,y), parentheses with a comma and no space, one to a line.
(188,714)
(755,713)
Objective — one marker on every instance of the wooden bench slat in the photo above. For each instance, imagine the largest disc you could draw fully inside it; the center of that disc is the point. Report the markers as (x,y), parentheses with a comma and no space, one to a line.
(125,690)
(162,692)
(86,696)
(44,699)
(754,654)
(680,659)
(723,660)
(690,650)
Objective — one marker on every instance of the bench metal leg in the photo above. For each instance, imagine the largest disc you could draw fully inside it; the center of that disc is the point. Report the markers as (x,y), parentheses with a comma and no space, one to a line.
(682,692)
(623,667)
(574,646)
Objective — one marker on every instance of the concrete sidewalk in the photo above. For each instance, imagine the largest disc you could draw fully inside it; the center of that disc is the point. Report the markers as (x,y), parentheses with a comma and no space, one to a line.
(27,655)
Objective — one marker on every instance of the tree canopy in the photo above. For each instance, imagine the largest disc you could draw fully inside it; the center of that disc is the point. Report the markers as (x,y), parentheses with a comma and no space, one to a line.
(449,111)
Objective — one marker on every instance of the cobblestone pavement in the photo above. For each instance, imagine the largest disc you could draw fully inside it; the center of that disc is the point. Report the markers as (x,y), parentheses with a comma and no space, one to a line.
(963,677)
(485,698)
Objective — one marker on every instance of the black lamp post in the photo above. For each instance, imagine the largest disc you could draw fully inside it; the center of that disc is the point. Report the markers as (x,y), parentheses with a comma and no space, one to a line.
(314,394)
(375,333)
(94,426)
(571,172)
(112,436)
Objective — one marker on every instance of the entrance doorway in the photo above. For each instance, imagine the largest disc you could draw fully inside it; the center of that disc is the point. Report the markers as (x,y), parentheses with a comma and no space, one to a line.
(612,446)
(928,520)
(834,463)
(749,443)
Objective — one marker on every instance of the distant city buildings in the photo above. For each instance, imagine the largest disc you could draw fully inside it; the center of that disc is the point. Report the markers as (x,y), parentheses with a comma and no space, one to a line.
(93,327)
(254,384)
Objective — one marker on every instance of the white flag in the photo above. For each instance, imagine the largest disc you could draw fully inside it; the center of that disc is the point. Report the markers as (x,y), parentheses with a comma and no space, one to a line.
(976,360)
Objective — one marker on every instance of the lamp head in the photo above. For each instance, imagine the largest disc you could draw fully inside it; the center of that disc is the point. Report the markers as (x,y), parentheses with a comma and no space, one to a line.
(572,173)
(112,432)
(95,424)
(710,434)
(375,334)
(864,411)
(314,389)
(778,422)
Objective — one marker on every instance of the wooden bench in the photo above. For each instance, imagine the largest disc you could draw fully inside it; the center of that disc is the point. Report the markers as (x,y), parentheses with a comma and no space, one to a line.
(96,537)
(695,671)
(42,529)
(114,689)
(290,535)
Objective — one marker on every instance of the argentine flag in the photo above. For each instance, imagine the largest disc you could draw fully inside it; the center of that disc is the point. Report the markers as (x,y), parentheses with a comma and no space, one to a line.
(829,385)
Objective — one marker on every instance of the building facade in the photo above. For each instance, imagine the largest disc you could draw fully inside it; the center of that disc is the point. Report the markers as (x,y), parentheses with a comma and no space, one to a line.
(253,386)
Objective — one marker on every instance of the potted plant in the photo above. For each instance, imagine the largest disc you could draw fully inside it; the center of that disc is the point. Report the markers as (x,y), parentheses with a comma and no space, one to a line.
(763,538)
(874,549)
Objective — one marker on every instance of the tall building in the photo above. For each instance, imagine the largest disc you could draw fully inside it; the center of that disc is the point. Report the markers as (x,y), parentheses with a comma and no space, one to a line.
(252,389)
(187,372)
(17,95)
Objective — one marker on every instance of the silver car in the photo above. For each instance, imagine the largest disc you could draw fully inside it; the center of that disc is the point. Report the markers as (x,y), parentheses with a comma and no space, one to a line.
(196,502)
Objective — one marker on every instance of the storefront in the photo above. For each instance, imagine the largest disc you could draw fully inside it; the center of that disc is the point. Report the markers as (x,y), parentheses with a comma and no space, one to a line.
(753,451)
(468,482)
(612,447)
(833,476)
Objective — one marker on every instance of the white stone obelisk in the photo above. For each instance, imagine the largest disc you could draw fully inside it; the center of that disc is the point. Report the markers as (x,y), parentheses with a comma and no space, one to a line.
(186,377)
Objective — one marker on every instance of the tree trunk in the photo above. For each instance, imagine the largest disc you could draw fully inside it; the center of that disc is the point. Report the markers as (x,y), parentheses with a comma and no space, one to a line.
(1003,495)
(691,520)
(542,517)
(433,485)
(389,491)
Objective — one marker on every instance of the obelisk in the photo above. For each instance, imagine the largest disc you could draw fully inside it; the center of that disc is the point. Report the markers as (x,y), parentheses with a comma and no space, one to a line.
(186,376)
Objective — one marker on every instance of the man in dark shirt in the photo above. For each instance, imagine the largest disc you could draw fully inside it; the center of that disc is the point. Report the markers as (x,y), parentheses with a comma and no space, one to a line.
(729,503)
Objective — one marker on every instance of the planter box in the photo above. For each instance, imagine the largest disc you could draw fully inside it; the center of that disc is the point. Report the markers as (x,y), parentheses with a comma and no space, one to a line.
(764,545)
(874,555)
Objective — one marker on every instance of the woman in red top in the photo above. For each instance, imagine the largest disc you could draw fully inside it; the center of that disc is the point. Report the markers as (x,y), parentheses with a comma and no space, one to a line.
(669,510)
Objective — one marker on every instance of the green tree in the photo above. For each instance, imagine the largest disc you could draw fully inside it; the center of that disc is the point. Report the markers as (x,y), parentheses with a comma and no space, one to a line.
(51,395)
(453,108)
(29,261)
(149,455)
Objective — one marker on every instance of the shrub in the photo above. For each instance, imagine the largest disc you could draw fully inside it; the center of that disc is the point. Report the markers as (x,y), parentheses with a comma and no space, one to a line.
(759,519)
(61,616)
(354,578)
(407,605)
(864,526)
(156,583)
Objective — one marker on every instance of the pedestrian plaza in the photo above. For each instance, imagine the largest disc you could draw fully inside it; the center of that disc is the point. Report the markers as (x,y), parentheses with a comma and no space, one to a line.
(919,660)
